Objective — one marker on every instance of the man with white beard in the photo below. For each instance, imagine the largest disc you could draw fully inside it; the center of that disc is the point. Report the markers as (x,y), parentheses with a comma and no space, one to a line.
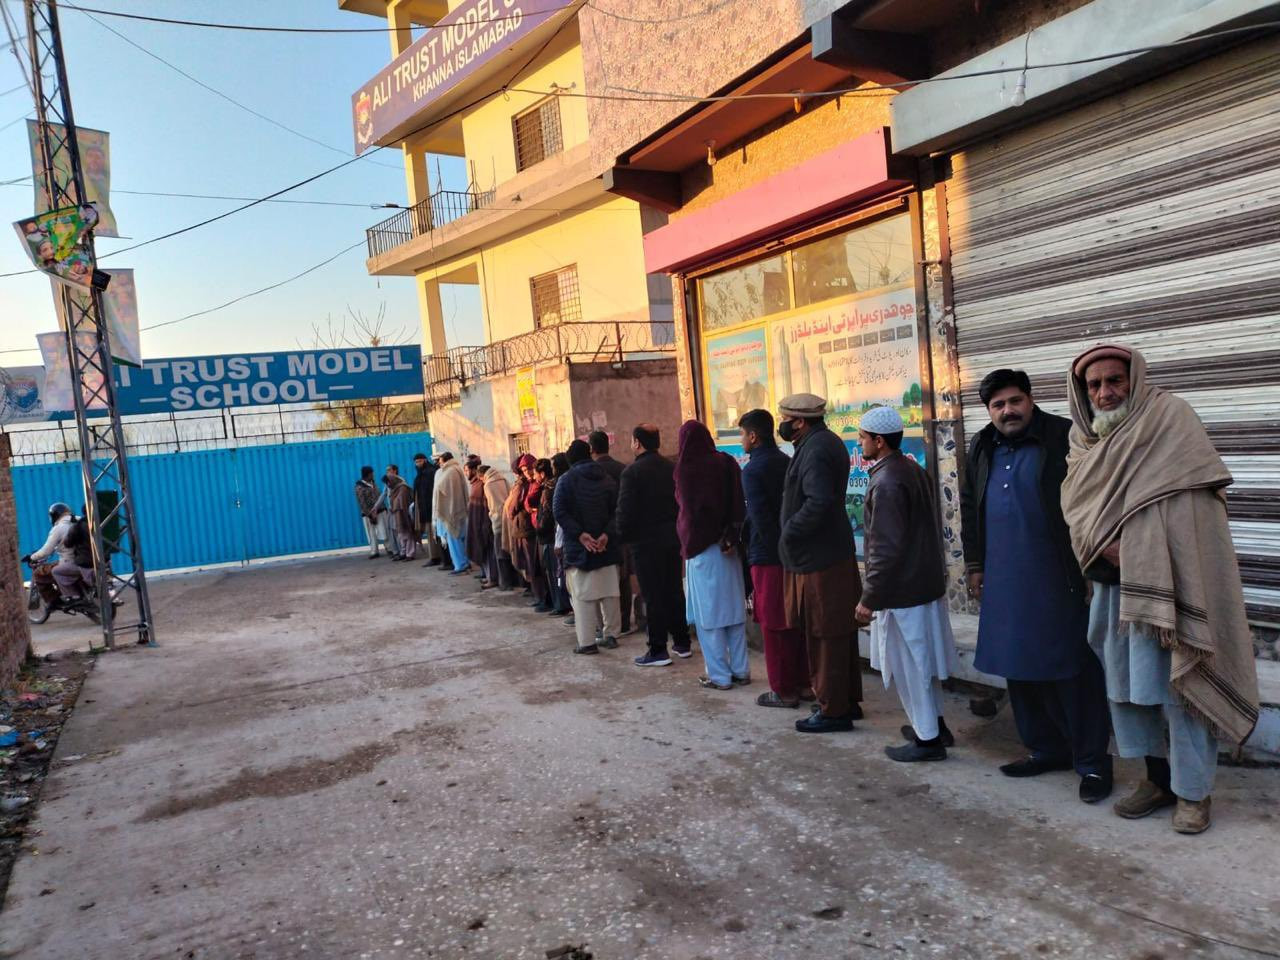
(1144,499)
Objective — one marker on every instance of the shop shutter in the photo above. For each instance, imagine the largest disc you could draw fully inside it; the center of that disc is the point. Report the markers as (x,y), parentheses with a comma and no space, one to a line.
(1151,217)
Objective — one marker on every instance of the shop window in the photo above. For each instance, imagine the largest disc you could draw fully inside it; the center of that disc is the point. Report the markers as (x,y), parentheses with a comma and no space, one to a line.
(871,257)
(537,133)
(743,294)
(555,297)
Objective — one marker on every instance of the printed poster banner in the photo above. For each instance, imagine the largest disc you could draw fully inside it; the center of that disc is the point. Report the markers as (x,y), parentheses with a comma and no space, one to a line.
(57,394)
(95,164)
(737,378)
(527,397)
(20,395)
(54,242)
(859,352)
(120,305)
(474,33)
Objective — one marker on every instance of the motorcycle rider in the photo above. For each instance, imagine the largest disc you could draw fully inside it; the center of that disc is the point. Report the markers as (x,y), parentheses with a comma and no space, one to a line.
(69,542)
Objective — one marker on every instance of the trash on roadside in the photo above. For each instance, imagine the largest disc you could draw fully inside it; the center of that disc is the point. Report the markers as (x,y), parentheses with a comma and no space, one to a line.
(12,804)
(8,738)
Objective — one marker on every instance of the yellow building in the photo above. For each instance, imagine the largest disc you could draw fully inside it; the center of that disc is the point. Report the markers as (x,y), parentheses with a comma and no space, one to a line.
(576,338)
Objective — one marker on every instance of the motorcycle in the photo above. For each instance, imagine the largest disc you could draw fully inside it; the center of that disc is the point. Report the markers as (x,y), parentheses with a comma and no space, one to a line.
(44,598)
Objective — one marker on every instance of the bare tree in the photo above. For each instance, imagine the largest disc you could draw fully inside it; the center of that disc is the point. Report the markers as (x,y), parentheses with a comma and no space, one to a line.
(358,418)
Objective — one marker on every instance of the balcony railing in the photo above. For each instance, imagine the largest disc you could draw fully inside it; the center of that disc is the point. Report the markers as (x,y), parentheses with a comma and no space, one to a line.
(448,373)
(442,207)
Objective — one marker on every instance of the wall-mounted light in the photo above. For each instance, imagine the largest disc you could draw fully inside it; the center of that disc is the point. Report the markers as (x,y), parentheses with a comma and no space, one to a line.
(795,100)
(711,153)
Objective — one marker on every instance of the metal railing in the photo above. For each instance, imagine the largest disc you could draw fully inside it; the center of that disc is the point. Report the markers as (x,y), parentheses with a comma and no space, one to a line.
(442,207)
(587,342)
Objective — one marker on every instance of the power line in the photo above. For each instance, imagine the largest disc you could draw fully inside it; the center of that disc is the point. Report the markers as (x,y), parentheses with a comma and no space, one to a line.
(255,28)
(5,93)
(23,181)
(231,100)
(12,122)
(246,296)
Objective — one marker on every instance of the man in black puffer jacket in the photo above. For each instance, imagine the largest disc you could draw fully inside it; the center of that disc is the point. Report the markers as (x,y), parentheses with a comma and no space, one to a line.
(585,504)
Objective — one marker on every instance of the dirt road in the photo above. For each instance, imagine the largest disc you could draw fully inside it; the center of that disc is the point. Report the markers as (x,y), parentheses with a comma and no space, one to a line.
(350,759)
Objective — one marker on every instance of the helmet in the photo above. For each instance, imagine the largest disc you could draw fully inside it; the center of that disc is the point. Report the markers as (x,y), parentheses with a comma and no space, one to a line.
(57,510)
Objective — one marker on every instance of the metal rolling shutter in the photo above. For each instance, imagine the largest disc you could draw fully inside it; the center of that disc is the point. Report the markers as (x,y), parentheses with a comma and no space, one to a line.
(1151,217)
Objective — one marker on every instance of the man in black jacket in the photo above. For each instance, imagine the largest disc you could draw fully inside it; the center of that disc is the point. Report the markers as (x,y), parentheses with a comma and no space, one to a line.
(585,505)
(647,525)
(1033,629)
(424,483)
(904,589)
(598,440)
(820,572)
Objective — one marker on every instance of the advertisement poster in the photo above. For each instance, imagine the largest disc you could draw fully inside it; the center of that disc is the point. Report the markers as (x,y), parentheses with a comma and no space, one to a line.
(737,379)
(95,164)
(858,353)
(120,304)
(20,400)
(527,397)
(53,242)
(57,395)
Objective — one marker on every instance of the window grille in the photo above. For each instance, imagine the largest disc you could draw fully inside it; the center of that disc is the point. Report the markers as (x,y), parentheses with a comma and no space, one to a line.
(555,297)
(537,133)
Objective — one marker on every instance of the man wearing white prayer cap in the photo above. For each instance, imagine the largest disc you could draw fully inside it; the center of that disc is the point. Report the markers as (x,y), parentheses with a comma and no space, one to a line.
(904,586)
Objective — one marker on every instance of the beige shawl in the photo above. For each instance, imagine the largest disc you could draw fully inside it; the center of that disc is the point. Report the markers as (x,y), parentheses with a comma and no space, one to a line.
(1157,483)
(496,490)
(449,498)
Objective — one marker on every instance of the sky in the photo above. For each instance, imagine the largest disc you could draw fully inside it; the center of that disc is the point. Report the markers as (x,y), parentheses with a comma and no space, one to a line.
(170,135)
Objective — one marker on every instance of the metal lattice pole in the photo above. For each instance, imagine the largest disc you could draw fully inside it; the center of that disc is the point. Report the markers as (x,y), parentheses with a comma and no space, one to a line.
(102,442)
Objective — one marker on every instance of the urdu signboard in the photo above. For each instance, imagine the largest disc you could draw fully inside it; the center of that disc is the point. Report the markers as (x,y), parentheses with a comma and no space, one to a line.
(442,58)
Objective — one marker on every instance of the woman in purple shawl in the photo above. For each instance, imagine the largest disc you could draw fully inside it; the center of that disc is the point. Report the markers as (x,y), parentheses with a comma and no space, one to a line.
(711,511)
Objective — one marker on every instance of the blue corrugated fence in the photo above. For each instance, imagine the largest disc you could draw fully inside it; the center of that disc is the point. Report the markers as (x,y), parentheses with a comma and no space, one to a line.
(219,506)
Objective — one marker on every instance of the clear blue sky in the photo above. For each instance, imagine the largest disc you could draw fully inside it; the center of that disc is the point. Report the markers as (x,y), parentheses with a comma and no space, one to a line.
(167,134)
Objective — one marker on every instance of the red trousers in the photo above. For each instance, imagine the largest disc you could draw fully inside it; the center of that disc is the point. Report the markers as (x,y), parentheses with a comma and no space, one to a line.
(785,657)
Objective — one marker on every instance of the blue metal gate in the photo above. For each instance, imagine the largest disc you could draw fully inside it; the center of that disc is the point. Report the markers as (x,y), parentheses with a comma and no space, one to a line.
(220,506)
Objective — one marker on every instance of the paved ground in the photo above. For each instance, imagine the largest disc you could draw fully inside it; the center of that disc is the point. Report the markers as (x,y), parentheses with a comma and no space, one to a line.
(346,759)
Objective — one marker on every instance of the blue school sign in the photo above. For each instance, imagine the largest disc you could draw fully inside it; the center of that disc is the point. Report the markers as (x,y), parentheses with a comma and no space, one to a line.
(262,379)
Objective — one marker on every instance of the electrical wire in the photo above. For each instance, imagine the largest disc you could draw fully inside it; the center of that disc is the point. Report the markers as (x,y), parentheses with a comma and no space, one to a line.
(231,100)
(255,28)
(12,122)
(246,296)
(24,181)
(5,93)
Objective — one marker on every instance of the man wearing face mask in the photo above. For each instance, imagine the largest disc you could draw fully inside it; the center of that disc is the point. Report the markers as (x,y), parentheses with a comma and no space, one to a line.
(820,581)
(1034,617)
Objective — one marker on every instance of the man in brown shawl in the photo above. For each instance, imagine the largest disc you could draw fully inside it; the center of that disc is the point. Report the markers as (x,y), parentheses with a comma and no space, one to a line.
(1144,500)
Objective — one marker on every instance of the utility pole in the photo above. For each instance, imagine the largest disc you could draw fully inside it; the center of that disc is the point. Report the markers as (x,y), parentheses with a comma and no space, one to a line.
(111,517)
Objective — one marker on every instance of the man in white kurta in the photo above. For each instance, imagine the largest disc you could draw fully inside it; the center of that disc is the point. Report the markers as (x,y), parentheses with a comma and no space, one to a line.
(904,587)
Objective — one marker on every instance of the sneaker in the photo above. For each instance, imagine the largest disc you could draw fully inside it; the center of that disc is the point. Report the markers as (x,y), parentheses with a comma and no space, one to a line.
(653,660)
(771,699)
(712,685)
(1144,801)
(1191,817)
(684,653)
(609,643)
(588,649)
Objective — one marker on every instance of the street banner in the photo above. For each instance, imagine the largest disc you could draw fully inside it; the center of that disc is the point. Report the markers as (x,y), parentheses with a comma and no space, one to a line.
(120,306)
(20,395)
(95,165)
(57,394)
(54,241)
(737,378)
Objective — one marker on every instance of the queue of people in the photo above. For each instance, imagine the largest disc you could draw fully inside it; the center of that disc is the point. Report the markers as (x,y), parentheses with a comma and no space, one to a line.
(1097,549)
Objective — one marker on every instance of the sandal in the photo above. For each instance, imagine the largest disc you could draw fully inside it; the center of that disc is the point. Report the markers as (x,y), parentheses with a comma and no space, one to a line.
(712,685)
(771,699)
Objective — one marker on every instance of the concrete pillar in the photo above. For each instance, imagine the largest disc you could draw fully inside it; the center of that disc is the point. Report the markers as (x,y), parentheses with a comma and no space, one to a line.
(15,631)
(398,19)
(433,337)
(417,183)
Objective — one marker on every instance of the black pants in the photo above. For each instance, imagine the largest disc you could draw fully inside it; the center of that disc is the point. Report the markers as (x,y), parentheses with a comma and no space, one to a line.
(1066,720)
(661,574)
(557,594)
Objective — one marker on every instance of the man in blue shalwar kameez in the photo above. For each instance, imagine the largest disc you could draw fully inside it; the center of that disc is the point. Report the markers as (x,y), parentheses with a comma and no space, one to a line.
(1033,629)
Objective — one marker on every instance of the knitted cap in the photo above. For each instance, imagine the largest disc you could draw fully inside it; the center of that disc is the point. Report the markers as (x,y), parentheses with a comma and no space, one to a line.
(881,420)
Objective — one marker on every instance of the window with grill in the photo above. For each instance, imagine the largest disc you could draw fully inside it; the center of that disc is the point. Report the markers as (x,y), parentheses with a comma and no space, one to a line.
(555,297)
(537,133)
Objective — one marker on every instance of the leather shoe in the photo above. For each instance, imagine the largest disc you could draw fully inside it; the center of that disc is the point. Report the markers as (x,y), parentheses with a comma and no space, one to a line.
(1094,788)
(1144,801)
(915,752)
(1192,817)
(818,723)
(948,739)
(1033,767)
